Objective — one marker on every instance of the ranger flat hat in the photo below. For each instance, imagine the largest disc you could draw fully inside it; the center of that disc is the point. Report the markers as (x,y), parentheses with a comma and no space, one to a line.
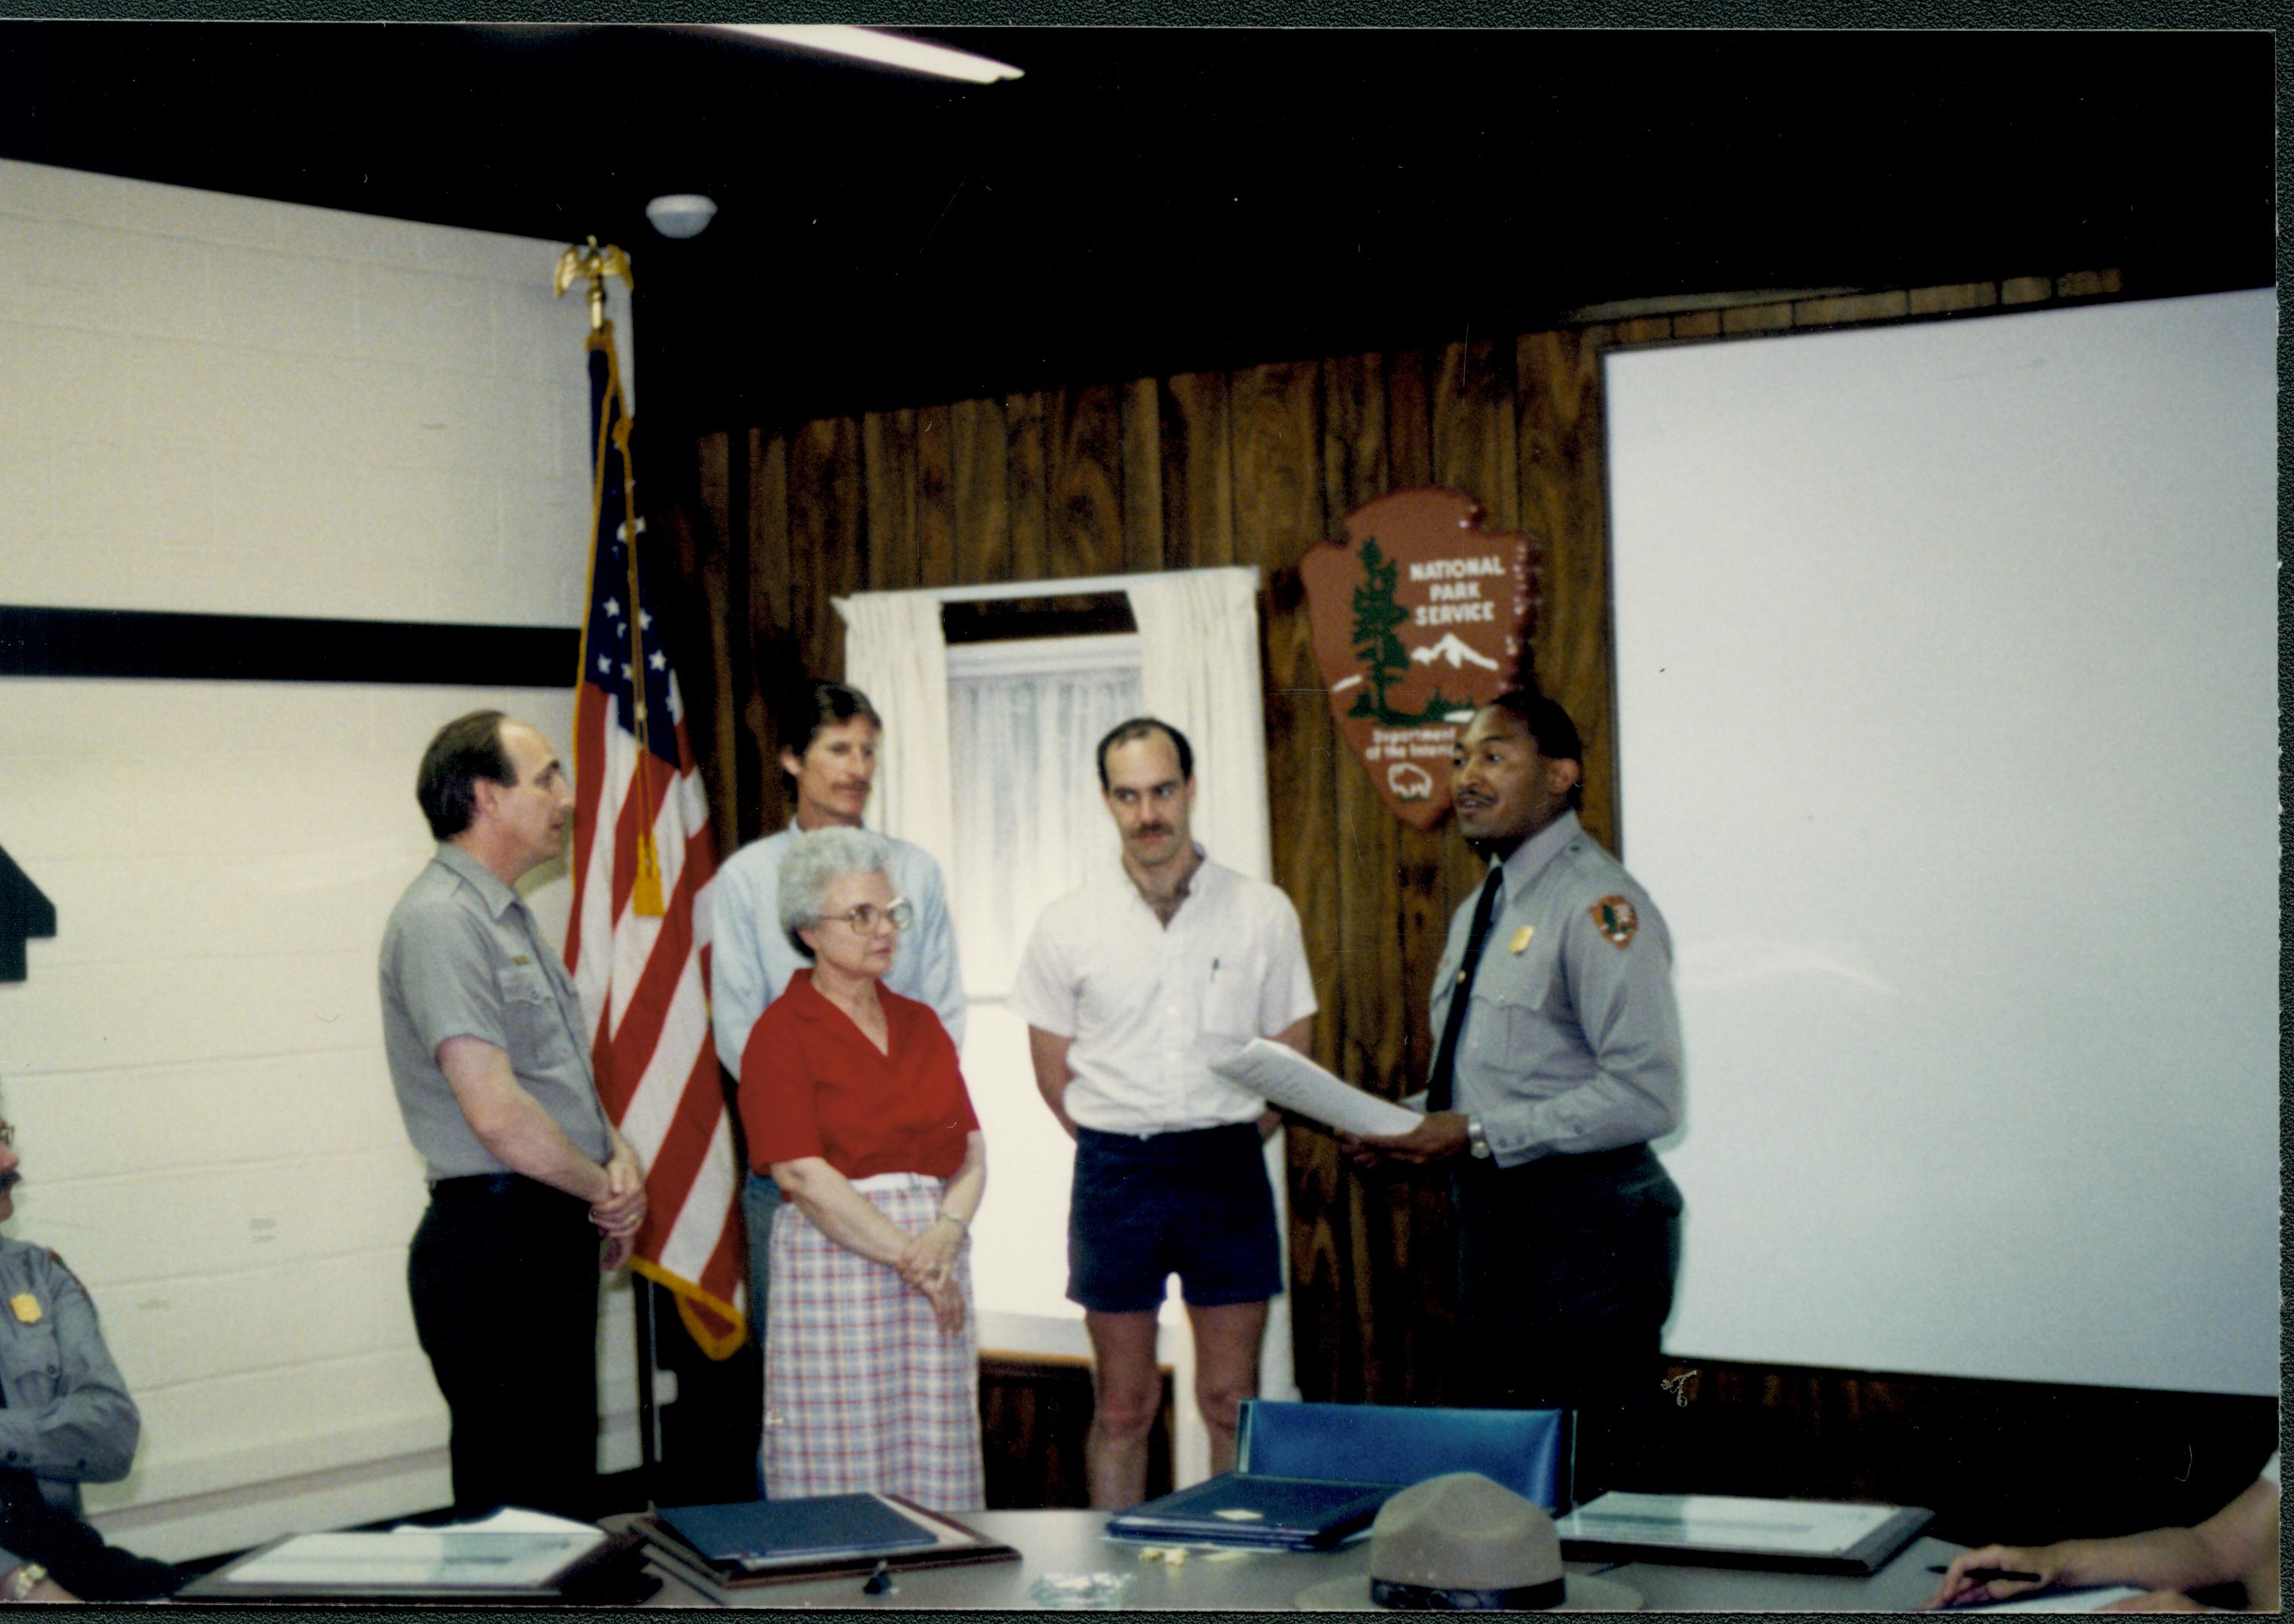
(1461,1543)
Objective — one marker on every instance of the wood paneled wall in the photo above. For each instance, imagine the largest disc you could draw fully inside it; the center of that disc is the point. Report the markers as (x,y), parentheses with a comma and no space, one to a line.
(1249,465)
(1034,1411)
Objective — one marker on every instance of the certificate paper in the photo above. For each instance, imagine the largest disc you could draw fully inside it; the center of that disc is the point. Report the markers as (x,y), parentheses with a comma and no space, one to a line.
(416,1562)
(1282,1075)
(1722,1521)
(1823,1536)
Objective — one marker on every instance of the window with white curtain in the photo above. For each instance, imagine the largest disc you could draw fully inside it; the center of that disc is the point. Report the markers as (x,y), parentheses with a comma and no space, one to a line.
(1023,720)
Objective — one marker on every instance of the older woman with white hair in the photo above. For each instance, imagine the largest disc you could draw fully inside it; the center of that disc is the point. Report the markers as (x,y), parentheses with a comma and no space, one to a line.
(853,1102)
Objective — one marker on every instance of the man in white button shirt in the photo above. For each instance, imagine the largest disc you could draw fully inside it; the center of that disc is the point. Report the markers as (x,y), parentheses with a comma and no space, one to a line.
(1131,985)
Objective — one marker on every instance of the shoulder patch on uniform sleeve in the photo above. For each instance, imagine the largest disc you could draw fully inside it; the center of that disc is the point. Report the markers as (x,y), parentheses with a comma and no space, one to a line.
(1614,917)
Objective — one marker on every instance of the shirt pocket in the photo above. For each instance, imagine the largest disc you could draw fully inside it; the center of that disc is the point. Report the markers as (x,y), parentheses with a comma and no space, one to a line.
(32,1362)
(1508,1025)
(530,1014)
(1232,992)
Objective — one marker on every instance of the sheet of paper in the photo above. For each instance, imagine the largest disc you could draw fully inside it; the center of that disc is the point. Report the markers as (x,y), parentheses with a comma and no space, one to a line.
(508,1520)
(1721,1522)
(1282,1076)
(2092,1600)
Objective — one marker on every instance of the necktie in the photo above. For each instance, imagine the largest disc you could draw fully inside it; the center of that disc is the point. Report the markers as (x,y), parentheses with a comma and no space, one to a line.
(1438,1092)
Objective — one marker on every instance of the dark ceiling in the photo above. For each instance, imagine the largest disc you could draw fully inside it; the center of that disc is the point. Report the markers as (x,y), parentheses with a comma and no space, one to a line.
(1152,200)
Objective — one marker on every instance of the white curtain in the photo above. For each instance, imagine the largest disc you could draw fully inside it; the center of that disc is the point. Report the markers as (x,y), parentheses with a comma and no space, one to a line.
(1029,827)
(895,654)
(1030,822)
(1199,671)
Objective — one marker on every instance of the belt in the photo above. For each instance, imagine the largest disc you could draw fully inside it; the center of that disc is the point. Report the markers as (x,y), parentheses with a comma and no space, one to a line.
(1174,1137)
(1563,1172)
(511,1184)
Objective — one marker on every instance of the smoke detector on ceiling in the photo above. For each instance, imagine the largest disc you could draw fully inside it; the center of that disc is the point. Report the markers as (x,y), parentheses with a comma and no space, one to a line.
(681,213)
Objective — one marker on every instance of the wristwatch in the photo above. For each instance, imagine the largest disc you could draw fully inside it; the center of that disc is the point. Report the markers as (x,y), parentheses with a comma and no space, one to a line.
(1475,1140)
(24,1579)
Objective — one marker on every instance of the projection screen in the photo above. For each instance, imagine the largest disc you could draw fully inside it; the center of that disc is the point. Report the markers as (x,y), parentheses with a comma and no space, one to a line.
(1947,707)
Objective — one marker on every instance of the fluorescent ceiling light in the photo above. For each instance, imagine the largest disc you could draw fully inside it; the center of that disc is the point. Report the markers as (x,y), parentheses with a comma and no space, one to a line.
(890,50)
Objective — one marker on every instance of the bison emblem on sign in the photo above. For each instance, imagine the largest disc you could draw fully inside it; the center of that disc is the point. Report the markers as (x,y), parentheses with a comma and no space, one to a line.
(1409,782)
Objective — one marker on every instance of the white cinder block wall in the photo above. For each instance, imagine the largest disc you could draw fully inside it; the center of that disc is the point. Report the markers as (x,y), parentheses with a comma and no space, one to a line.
(227,405)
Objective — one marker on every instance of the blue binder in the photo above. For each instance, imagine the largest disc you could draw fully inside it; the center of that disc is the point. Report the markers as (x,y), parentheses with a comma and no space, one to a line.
(753,1533)
(1250,1509)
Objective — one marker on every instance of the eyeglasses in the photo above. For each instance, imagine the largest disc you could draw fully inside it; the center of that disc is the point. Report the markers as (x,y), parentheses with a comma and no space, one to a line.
(8,1134)
(865,918)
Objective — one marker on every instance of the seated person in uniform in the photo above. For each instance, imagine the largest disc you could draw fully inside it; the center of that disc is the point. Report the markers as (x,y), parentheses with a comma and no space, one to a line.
(66,1420)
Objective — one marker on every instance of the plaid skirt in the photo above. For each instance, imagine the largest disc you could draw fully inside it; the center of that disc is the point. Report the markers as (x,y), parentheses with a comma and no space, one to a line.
(863,1390)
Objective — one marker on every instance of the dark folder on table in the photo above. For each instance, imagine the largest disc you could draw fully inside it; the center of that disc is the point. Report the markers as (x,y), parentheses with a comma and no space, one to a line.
(1252,1509)
(753,1533)
(724,1549)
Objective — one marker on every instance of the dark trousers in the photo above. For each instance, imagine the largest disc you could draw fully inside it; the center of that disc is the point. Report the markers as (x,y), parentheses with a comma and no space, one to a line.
(73,1554)
(761,1204)
(1565,1270)
(503,1274)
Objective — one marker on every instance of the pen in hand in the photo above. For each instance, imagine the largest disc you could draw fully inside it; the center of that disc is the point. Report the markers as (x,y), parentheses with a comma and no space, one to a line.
(1983,1575)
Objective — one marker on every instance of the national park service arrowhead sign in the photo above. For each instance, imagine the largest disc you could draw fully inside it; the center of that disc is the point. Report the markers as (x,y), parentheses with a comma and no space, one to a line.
(1420,618)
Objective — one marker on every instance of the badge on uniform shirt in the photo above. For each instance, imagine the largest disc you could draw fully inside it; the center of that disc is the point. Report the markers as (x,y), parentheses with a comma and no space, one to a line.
(1521,936)
(25,1307)
(1614,917)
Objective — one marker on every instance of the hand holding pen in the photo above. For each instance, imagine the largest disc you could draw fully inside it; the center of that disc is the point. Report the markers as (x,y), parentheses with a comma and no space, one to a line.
(1991,1573)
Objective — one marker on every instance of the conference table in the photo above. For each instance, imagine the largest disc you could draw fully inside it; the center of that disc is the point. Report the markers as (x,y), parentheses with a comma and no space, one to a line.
(1066,1555)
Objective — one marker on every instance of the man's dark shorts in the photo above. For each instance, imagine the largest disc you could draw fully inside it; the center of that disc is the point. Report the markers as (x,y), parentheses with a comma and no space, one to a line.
(1195,1204)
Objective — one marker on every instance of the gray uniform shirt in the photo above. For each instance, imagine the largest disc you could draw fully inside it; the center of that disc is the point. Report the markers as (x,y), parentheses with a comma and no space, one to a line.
(69,1420)
(1573,1040)
(462,957)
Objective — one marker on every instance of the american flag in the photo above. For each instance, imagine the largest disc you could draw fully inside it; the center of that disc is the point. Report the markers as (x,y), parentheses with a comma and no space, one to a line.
(638,944)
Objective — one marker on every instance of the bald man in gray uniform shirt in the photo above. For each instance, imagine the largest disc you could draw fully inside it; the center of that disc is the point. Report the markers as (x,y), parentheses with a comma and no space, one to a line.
(484,1034)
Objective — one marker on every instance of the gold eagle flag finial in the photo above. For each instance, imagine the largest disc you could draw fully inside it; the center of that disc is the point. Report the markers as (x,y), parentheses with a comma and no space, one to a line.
(595,264)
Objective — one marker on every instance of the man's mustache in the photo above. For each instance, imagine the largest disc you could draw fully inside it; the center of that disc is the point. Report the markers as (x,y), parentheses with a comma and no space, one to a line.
(8,1181)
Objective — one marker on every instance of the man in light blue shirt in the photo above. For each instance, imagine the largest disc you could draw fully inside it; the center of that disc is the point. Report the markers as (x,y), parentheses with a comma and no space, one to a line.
(828,762)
